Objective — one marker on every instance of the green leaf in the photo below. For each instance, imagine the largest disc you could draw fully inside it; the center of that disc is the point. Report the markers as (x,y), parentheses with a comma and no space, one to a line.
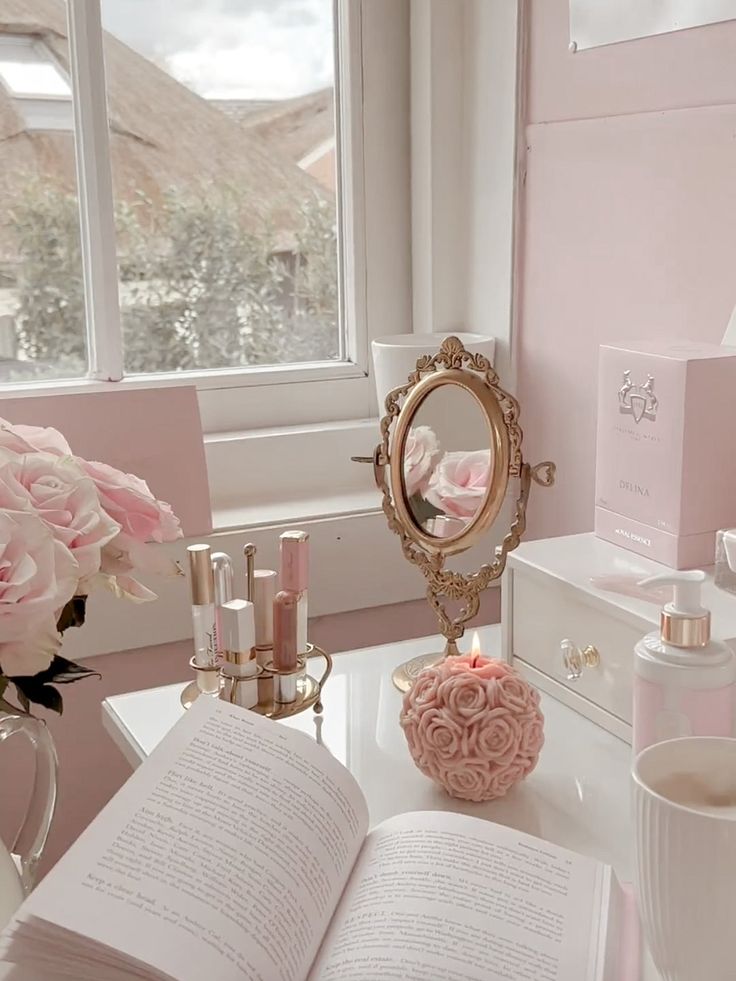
(6,706)
(59,672)
(73,614)
(64,672)
(422,510)
(31,690)
(37,688)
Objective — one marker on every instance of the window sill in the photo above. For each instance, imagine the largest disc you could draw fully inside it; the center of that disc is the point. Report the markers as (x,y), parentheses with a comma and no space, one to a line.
(269,476)
(284,512)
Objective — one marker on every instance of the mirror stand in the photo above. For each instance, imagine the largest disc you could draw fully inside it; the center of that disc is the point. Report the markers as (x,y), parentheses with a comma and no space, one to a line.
(478,479)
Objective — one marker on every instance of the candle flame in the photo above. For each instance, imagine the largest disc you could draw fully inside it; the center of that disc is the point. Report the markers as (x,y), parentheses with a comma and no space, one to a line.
(475,649)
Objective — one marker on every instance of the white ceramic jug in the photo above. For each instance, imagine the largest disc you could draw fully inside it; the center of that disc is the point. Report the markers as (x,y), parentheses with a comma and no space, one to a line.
(18,867)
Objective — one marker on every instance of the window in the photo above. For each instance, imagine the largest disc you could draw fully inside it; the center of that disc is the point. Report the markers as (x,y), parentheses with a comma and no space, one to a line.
(227,257)
(37,86)
(40,250)
(28,70)
(235,157)
(237,205)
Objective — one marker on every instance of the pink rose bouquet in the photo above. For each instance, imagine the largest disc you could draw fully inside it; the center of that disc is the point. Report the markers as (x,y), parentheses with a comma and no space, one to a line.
(459,483)
(67,526)
(445,489)
(473,725)
(421,451)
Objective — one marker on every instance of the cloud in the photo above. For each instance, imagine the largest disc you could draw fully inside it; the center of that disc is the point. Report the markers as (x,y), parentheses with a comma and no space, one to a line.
(255,49)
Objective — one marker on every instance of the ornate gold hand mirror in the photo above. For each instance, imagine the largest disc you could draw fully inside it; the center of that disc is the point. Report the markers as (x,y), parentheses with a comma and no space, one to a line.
(450,445)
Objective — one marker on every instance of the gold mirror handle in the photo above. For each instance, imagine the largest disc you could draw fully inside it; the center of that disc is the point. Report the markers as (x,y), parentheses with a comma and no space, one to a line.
(379,461)
(544,473)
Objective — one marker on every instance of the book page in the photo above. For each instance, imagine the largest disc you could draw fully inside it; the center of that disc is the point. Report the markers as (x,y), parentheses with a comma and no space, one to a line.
(224,856)
(446,897)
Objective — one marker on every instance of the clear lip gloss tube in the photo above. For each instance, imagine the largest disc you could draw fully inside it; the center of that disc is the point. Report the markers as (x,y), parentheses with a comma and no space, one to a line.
(203,616)
(222,570)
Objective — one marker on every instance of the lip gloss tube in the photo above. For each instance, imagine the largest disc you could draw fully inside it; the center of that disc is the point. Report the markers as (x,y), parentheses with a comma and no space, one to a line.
(285,647)
(240,669)
(222,570)
(294,547)
(264,593)
(203,616)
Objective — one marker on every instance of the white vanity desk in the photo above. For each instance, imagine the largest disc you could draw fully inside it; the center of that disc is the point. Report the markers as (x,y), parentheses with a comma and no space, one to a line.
(578,796)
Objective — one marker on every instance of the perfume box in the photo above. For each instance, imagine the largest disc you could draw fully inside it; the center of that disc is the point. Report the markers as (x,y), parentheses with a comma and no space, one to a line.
(666,453)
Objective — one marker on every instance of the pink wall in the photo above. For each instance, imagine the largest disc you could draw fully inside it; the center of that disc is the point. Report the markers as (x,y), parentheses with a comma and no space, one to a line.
(92,769)
(629,226)
(155,433)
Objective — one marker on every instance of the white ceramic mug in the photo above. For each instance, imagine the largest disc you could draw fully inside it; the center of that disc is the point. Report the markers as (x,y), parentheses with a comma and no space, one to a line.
(685,813)
(395,356)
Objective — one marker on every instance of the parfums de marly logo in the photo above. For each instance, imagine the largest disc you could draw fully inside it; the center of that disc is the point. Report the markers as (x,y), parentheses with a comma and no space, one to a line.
(638,401)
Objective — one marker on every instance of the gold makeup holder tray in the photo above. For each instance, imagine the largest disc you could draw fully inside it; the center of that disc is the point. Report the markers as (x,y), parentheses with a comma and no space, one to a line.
(308,688)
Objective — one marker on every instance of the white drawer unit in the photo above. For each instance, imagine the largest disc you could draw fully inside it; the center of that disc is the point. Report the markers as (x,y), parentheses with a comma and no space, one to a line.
(549,597)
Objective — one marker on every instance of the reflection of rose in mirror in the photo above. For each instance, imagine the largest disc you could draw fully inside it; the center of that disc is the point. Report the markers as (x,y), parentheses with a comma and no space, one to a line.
(420,455)
(459,483)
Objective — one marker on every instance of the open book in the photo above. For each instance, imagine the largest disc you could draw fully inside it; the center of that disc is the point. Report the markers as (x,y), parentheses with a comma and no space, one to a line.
(239,851)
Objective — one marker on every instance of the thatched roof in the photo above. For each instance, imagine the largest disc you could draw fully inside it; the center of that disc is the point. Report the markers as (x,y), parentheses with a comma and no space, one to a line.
(163,135)
(293,127)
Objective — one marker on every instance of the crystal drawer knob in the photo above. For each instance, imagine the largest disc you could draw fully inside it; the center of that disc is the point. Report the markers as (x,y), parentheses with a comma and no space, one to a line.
(575,660)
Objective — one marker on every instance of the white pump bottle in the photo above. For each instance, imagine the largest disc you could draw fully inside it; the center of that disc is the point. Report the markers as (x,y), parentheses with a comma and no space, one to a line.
(684,682)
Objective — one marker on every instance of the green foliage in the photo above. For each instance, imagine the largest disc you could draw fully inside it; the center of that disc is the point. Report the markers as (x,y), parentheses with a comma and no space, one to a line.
(38,689)
(202,286)
(50,319)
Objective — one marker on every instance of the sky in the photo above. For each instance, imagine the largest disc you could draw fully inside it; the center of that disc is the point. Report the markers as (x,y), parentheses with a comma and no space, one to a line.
(237,49)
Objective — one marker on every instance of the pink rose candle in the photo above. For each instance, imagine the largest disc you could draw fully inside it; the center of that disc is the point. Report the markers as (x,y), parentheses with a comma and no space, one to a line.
(473,725)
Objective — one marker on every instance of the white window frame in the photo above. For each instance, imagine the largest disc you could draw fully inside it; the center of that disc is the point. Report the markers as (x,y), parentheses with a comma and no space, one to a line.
(465,160)
(372,84)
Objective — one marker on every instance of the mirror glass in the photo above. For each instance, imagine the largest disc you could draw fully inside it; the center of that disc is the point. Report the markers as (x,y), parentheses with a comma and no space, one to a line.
(447,461)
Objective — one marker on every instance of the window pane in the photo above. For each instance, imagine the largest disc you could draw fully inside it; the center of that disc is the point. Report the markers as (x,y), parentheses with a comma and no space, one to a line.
(42,326)
(223,150)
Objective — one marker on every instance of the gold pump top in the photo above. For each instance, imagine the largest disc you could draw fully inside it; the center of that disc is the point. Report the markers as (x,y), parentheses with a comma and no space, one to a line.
(685,631)
(684,622)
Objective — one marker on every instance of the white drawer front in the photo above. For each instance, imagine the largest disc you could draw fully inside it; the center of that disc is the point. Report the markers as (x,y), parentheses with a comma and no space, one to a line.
(544,613)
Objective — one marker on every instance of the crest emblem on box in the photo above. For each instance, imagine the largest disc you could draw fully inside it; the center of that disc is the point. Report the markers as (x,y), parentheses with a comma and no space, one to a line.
(638,401)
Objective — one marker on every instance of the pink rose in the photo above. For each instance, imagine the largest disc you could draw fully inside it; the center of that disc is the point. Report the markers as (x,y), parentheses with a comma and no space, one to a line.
(459,483)
(515,694)
(464,695)
(421,450)
(129,502)
(468,781)
(410,725)
(423,693)
(499,737)
(506,778)
(532,736)
(124,556)
(38,575)
(31,439)
(440,733)
(65,498)
(31,654)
